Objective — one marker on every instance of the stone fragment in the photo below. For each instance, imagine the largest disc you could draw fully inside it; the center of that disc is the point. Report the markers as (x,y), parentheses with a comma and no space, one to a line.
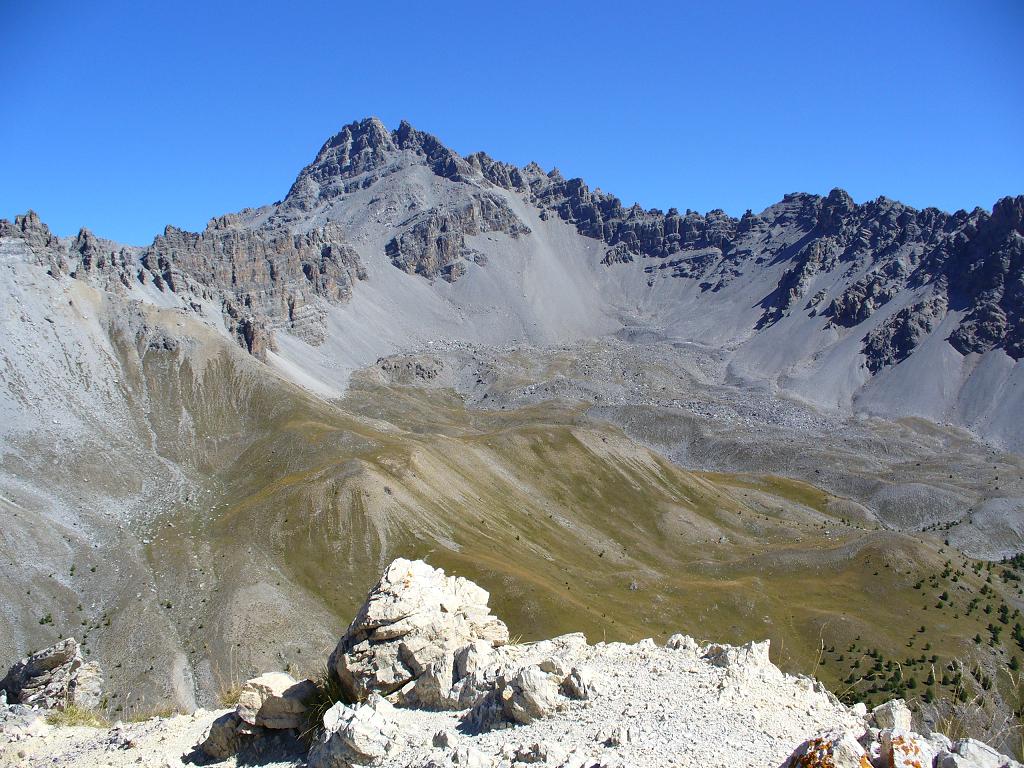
(360,735)
(468,757)
(443,739)
(620,735)
(521,696)
(471,657)
(904,749)
(749,659)
(834,749)
(275,700)
(225,737)
(579,684)
(540,752)
(892,714)
(433,689)
(530,695)
(87,686)
(682,643)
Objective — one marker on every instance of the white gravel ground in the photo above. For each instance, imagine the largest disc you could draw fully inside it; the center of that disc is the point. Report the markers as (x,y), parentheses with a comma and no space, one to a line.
(672,708)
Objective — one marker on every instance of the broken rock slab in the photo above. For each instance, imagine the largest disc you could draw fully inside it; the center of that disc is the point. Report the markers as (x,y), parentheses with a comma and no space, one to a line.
(275,700)
(53,678)
(527,695)
(893,714)
(971,753)
(360,735)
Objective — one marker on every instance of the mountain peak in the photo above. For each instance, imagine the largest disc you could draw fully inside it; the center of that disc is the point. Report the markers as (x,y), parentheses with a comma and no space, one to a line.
(355,149)
(364,146)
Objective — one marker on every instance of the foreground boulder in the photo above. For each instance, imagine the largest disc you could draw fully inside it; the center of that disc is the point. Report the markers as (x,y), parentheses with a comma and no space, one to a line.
(54,678)
(227,736)
(903,749)
(415,617)
(275,700)
(271,710)
(836,749)
(360,735)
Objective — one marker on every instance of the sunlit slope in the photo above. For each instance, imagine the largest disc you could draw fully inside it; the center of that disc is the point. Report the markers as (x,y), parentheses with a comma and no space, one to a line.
(207,520)
(571,526)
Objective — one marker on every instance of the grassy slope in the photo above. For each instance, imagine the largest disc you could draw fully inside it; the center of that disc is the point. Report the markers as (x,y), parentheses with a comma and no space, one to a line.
(298,504)
(572,527)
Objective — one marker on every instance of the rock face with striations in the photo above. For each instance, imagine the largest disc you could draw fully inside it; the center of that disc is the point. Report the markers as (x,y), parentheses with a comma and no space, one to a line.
(968,262)
(272,276)
(972,262)
(436,245)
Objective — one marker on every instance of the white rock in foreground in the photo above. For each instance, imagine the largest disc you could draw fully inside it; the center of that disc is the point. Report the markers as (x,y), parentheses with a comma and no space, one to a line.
(361,735)
(835,749)
(414,617)
(275,700)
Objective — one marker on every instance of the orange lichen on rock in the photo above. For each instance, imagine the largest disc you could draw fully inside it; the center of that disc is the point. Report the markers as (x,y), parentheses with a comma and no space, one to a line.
(904,750)
(831,750)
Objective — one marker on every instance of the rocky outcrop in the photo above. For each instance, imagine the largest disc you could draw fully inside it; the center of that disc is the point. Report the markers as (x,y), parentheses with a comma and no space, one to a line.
(894,340)
(436,245)
(37,237)
(264,277)
(414,617)
(983,265)
(858,302)
(54,678)
(363,152)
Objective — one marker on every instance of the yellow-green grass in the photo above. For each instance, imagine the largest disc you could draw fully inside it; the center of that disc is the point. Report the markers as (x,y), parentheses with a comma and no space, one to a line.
(75,716)
(570,525)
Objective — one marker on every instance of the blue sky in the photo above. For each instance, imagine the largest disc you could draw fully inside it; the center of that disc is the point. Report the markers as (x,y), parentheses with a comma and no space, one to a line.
(124,117)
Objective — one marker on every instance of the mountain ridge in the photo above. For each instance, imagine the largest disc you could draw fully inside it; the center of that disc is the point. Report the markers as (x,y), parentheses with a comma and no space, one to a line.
(870,284)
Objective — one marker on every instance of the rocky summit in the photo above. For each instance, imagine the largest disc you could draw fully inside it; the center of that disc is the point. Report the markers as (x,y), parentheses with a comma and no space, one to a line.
(474,698)
(642,438)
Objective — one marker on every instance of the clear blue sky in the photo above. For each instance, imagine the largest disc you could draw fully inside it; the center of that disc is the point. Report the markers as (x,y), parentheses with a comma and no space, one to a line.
(127,116)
